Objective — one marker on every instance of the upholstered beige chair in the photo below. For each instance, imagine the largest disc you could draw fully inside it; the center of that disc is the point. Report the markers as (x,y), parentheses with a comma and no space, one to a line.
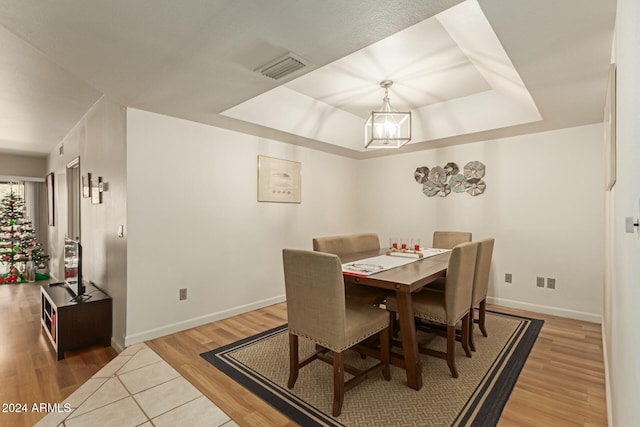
(480,287)
(449,239)
(318,310)
(346,244)
(448,307)
(350,244)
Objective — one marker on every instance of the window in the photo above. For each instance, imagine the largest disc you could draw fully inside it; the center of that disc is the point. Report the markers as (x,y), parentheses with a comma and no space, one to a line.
(7,187)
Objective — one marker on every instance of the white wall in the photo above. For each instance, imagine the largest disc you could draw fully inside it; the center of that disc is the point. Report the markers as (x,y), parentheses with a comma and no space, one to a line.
(99,140)
(195,223)
(621,315)
(543,204)
(22,166)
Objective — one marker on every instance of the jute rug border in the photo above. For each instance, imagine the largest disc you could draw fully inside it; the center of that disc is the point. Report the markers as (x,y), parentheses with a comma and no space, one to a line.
(482,409)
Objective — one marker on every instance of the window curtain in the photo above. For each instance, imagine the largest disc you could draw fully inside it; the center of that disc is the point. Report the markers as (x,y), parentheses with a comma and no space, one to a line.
(35,204)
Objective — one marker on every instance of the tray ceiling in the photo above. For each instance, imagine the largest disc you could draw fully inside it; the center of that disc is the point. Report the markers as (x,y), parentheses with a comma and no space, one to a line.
(467,70)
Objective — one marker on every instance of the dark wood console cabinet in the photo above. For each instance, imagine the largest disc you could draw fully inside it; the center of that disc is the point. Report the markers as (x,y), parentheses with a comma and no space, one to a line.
(71,325)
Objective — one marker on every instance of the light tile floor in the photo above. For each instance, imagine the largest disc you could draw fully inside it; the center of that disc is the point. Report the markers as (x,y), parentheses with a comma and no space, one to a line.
(137,388)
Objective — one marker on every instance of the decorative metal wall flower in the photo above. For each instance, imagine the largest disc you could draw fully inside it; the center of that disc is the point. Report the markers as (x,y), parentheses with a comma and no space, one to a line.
(430,189)
(444,190)
(474,170)
(458,183)
(434,180)
(451,168)
(421,175)
(438,175)
(476,186)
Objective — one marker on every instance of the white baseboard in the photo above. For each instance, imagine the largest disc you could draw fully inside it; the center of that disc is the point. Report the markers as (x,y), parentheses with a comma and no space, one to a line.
(545,309)
(116,345)
(197,321)
(607,383)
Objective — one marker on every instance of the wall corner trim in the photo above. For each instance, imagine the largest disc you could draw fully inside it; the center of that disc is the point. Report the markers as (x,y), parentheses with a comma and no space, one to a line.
(607,376)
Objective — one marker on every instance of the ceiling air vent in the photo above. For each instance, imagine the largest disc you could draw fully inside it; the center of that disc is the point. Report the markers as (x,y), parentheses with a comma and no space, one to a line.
(283,66)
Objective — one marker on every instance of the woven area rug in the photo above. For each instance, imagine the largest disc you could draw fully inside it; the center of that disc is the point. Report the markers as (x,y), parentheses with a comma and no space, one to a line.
(261,364)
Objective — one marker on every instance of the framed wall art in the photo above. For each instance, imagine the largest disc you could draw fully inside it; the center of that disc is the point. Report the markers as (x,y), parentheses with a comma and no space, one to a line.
(86,185)
(279,180)
(96,194)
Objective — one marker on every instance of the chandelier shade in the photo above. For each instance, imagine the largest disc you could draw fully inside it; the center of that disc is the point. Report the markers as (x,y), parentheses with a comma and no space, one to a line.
(387,128)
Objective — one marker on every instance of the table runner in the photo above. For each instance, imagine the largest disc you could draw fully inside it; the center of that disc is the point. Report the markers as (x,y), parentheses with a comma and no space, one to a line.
(376,264)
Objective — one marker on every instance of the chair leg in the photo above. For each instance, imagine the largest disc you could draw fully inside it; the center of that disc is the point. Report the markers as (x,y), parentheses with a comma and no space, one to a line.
(385,349)
(338,383)
(294,361)
(465,334)
(451,350)
(481,317)
(472,343)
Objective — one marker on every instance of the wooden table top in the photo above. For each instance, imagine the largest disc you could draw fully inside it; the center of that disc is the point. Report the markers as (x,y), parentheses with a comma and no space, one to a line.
(406,278)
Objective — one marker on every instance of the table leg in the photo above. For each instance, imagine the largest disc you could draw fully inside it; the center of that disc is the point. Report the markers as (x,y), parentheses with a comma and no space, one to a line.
(409,340)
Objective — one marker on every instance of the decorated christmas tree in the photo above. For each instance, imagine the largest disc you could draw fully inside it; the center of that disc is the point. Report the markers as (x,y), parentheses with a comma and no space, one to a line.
(18,243)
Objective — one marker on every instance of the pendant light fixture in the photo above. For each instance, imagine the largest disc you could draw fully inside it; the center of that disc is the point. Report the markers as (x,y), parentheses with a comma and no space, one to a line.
(386,128)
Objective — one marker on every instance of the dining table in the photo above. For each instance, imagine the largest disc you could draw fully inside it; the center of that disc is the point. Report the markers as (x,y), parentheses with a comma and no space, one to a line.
(404,281)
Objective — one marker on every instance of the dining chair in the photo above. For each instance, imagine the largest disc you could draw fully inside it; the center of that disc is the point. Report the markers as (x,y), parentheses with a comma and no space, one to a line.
(448,307)
(346,244)
(317,310)
(349,244)
(449,239)
(480,287)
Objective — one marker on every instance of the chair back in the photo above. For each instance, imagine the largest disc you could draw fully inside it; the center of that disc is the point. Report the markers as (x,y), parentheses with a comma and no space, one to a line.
(459,287)
(346,244)
(450,239)
(483,266)
(315,296)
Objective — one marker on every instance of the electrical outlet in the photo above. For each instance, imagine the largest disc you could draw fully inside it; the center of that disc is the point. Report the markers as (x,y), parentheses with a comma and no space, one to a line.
(540,282)
(183,294)
(551,283)
(508,277)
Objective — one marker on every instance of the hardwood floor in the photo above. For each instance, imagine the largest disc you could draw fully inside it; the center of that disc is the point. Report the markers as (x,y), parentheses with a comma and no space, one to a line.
(29,370)
(562,383)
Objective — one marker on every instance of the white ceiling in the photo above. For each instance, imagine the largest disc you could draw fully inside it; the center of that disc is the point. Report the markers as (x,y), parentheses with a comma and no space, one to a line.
(450,71)
(476,71)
